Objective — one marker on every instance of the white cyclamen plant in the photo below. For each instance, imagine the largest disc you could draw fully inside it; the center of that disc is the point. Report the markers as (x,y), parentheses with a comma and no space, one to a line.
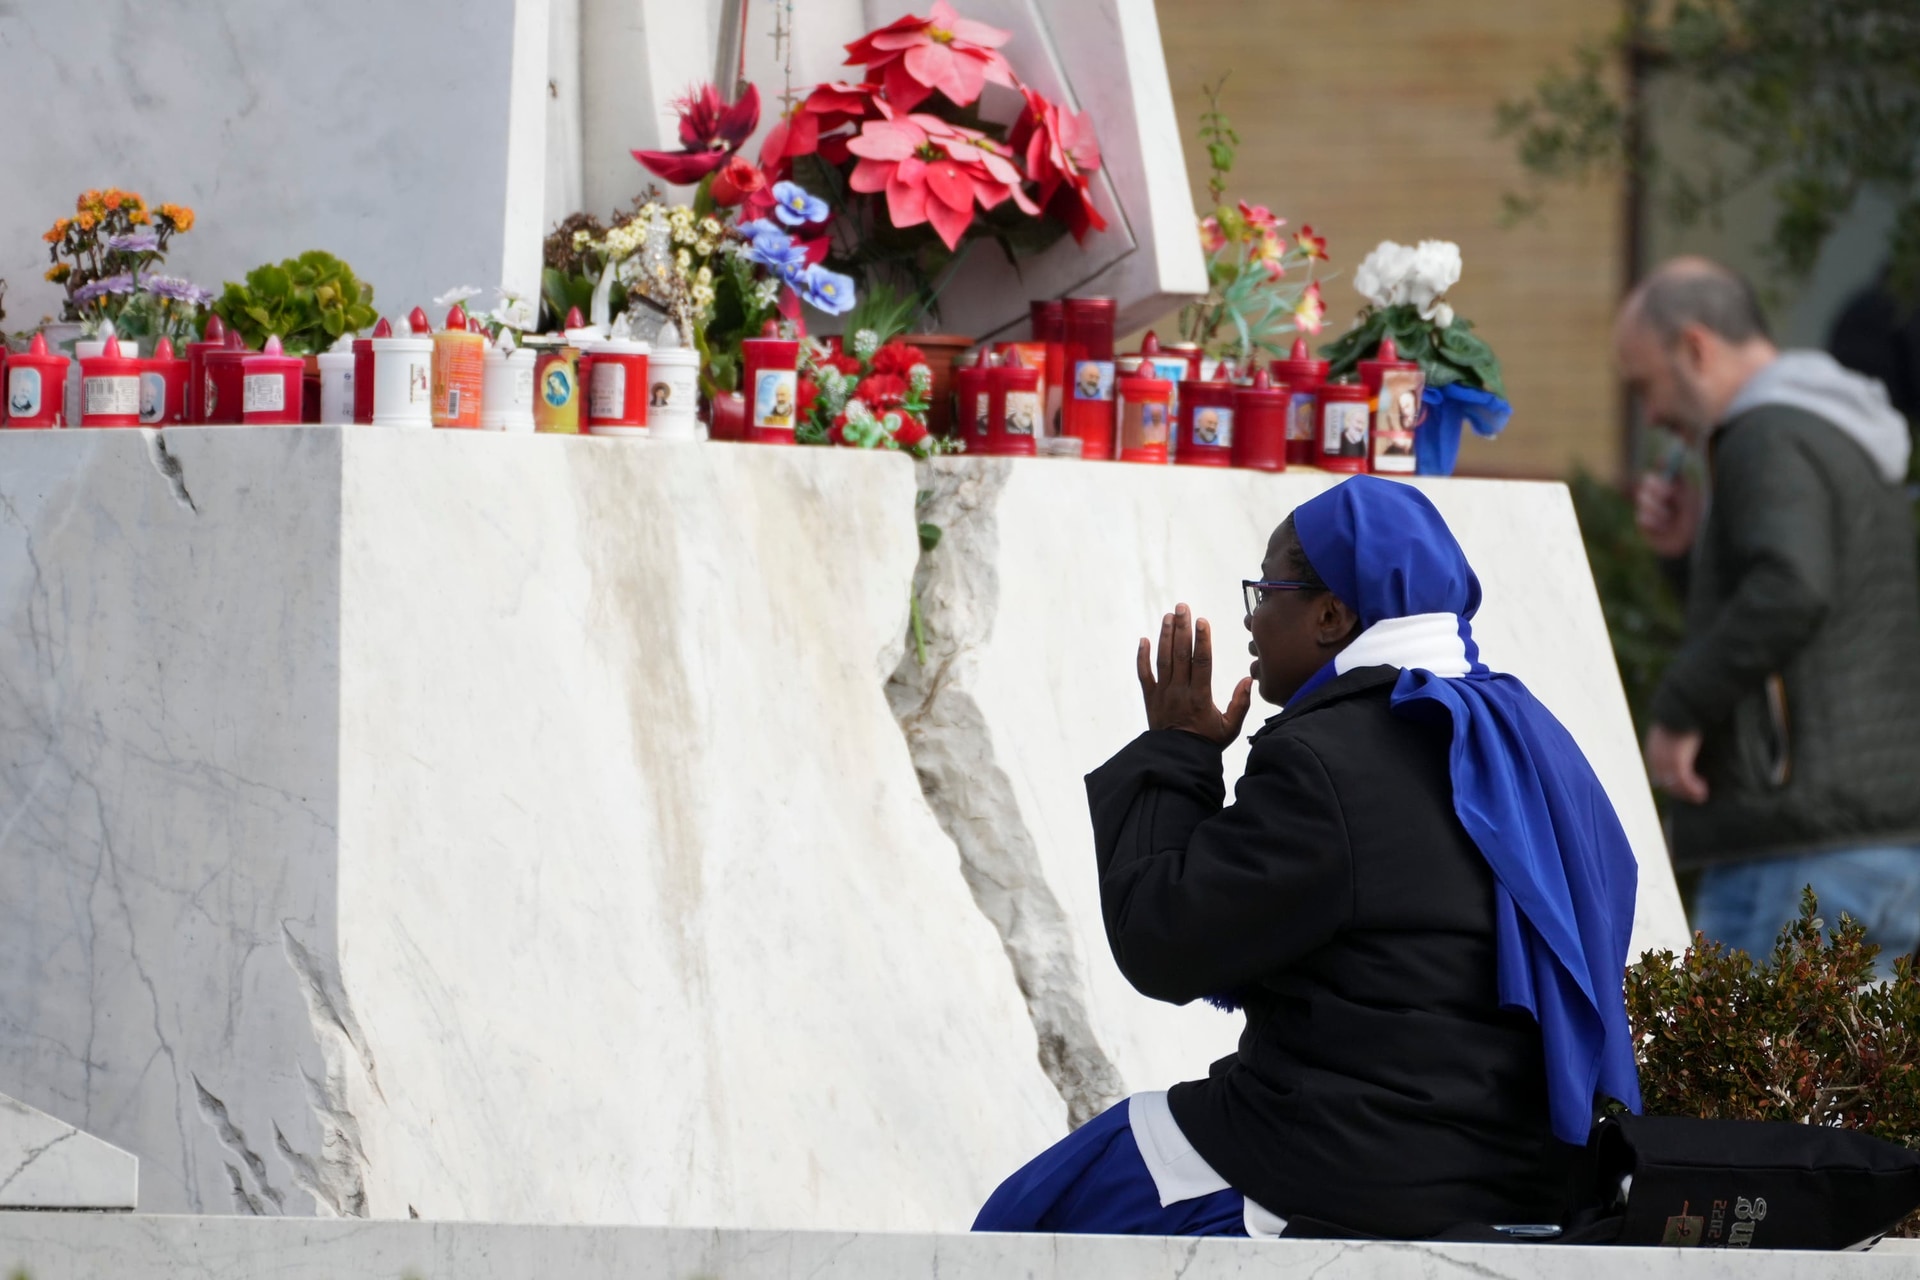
(1406,287)
(1397,274)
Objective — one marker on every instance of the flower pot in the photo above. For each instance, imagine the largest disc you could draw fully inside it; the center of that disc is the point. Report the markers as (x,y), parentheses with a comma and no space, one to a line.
(941,349)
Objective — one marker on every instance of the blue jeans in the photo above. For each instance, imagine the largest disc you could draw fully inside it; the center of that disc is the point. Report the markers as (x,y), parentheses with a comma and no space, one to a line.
(1744,904)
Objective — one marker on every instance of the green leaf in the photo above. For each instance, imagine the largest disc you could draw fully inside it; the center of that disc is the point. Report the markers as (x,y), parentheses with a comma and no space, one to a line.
(929,536)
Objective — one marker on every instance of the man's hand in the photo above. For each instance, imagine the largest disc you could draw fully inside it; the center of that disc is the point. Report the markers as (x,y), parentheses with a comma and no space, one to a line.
(1182,696)
(1667,512)
(1670,760)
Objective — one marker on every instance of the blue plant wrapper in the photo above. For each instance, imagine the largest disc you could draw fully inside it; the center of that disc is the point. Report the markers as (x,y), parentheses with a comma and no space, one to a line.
(1436,445)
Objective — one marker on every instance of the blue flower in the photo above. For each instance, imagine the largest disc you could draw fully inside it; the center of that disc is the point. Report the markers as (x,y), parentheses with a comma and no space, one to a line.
(142,241)
(773,248)
(795,206)
(827,290)
(174,289)
(101,288)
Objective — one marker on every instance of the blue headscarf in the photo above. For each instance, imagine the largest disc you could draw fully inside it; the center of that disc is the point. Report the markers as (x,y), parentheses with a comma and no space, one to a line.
(1563,871)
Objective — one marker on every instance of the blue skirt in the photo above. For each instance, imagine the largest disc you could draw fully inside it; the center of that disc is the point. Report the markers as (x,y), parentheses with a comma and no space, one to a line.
(1094,1182)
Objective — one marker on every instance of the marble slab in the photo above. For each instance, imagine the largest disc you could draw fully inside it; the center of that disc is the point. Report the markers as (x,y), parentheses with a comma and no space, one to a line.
(556,830)
(1047,576)
(490,827)
(128,1247)
(46,1163)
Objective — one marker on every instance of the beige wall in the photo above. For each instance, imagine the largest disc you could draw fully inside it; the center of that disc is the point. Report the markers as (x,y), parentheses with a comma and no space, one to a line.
(1373,120)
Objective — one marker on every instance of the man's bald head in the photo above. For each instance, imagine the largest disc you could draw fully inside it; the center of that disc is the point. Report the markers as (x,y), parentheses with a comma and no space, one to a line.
(1688,338)
(1696,291)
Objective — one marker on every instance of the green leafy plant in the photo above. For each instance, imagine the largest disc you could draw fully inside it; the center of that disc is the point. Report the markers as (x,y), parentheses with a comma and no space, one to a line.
(1805,1034)
(1816,101)
(308,301)
(1252,305)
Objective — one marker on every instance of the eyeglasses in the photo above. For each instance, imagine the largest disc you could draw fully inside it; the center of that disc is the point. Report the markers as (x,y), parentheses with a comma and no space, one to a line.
(1256,592)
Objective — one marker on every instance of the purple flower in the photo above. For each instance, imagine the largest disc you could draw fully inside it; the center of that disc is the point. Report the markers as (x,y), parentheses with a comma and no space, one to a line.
(174,289)
(795,205)
(101,288)
(771,247)
(134,242)
(827,290)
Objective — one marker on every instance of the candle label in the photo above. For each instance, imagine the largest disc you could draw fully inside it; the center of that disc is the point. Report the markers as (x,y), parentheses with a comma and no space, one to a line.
(1143,425)
(112,396)
(608,398)
(209,400)
(773,398)
(1213,426)
(1300,416)
(23,392)
(980,414)
(1344,433)
(263,393)
(1093,380)
(153,397)
(1400,411)
(1023,412)
(522,387)
(419,382)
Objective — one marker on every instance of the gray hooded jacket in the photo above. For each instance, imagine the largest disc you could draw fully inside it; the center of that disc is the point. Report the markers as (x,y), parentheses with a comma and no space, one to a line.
(1801,663)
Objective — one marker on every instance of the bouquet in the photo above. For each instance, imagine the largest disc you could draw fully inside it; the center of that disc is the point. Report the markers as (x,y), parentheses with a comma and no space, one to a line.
(104,255)
(866,394)
(749,249)
(1252,302)
(1406,292)
(911,170)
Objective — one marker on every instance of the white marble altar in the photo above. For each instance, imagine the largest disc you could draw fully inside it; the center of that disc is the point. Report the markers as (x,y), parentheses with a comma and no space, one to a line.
(46,1163)
(518,827)
(487,827)
(131,1247)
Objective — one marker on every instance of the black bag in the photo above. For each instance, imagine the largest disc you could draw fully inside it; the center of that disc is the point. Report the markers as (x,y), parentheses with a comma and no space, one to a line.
(1746,1184)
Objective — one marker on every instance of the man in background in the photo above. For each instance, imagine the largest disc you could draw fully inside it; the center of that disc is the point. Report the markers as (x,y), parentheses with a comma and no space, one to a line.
(1788,725)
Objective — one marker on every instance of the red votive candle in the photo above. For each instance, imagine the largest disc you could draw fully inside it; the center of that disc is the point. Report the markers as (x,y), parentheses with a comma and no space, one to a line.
(1262,411)
(1145,404)
(1345,423)
(1014,407)
(1088,409)
(1303,374)
(1209,424)
(772,386)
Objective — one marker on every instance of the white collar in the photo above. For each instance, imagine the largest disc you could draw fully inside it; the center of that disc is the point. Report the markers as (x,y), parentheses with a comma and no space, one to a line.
(1421,641)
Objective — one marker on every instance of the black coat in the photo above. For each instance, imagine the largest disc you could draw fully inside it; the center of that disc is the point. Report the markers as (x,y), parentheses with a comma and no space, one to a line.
(1378,1085)
(1801,666)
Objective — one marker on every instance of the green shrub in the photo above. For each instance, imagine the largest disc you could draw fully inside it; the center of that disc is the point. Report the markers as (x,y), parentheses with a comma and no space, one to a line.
(309,301)
(1804,1034)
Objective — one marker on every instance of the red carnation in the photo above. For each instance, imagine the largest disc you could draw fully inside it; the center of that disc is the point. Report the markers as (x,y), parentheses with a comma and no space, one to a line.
(849,366)
(897,358)
(804,399)
(910,432)
(881,391)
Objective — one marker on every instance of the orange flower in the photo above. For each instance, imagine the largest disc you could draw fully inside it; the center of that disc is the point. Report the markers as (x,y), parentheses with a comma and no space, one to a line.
(140,217)
(55,233)
(178,214)
(58,272)
(111,199)
(89,200)
(86,221)
(133,199)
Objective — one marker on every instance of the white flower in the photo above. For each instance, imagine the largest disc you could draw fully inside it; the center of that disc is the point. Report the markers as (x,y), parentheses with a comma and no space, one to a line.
(454,297)
(1435,269)
(704,276)
(709,228)
(767,292)
(865,343)
(703,247)
(514,312)
(1380,279)
(1442,316)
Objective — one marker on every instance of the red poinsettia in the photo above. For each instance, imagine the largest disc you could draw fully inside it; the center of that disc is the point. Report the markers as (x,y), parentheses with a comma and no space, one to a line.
(710,132)
(1061,154)
(943,51)
(934,172)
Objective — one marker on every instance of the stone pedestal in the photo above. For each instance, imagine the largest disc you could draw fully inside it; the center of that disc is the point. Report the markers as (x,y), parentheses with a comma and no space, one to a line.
(518,827)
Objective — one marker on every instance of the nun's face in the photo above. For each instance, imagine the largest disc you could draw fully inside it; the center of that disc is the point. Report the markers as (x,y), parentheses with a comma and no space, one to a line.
(1295,633)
